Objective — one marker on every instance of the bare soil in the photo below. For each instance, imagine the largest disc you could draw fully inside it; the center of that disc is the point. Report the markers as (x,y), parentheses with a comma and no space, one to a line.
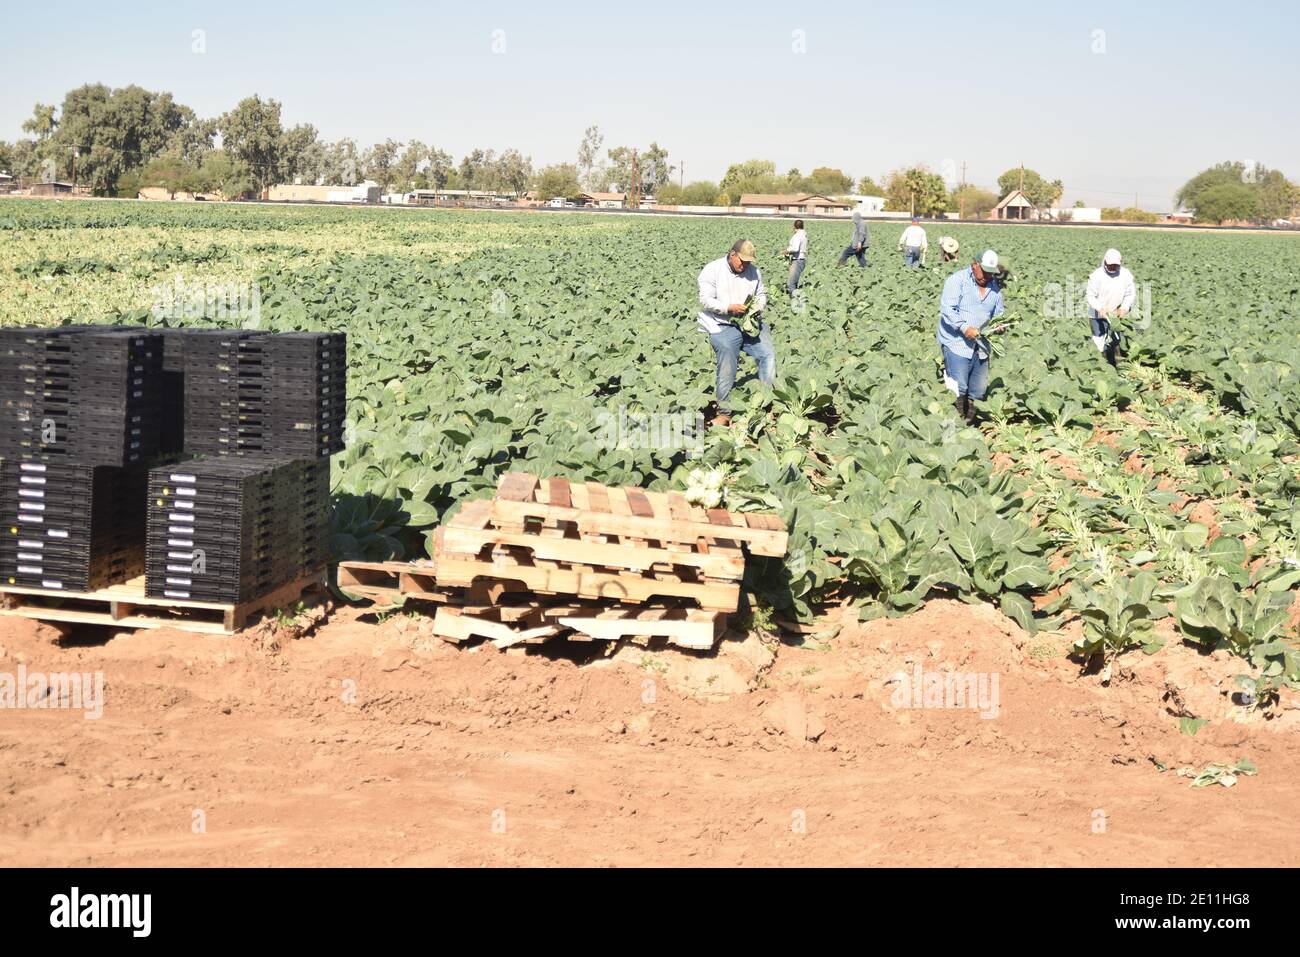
(372,743)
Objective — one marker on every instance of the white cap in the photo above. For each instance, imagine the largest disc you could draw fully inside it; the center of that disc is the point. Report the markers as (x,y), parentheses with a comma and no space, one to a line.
(1112,258)
(989,261)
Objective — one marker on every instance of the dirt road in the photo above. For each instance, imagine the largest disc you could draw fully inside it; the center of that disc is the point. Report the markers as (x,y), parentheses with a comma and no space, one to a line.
(374,743)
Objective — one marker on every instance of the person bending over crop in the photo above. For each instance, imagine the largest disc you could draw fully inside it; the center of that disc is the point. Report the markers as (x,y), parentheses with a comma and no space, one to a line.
(732,300)
(971,297)
(914,245)
(948,248)
(1111,293)
(860,242)
(797,253)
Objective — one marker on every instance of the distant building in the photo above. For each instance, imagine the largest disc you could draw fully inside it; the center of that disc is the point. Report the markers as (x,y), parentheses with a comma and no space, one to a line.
(7,183)
(1015,205)
(792,203)
(366,192)
(604,200)
(869,204)
(52,189)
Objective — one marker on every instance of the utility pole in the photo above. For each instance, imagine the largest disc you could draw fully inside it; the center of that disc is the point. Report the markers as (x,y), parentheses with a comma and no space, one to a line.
(635,187)
(913,204)
(961,192)
(1022,177)
(681,175)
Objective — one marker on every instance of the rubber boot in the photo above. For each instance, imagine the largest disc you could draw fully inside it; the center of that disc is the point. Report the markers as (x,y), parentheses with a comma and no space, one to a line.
(970,411)
(960,406)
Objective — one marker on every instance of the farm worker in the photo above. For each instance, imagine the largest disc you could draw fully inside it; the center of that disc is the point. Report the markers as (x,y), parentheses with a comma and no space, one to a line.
(949,248)
(971,297)
(797,253)
(861,241)
(914,244)
(732,299)
(1111,293)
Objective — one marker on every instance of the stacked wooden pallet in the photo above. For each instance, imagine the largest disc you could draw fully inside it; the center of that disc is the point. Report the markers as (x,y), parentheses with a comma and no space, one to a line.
(547,557)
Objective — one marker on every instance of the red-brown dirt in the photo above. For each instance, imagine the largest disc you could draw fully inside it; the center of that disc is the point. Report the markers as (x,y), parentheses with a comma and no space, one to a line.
(374,743)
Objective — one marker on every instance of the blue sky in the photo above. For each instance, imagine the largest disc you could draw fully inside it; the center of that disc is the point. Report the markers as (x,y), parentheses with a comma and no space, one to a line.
(877,85)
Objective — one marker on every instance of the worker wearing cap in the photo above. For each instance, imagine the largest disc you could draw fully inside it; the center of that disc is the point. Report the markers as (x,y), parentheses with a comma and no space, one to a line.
(971,297)
(1111,294)
(860,241)
(949,248)
(731,292)
(914,244)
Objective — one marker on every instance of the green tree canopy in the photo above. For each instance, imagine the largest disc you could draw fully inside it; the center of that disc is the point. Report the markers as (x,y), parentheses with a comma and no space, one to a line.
(919,186)
(558,180)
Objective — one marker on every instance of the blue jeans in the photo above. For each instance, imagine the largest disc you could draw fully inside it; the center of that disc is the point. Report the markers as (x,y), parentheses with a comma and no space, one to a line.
(728,343)
(796,270)
(912,257)
(850,251)
(970,374)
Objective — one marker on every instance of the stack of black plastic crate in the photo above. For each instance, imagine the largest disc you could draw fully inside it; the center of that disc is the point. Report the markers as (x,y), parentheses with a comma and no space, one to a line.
(250,510)
(80,412)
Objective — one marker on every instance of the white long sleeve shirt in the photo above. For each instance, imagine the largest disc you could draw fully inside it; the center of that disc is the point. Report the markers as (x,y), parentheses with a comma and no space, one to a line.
(798,247)
(720,288)
(914,236)
(1107,294)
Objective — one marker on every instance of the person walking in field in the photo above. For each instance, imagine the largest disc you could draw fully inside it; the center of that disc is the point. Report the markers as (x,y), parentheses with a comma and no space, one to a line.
(971,298)
(914,245)
(732,300)
(860,242)
(1111,295)
(797,253)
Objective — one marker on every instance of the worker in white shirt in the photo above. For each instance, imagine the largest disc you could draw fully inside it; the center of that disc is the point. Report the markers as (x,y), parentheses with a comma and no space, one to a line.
(797,253)
(1111,295)
(732,300)
(949,248)
(914,245)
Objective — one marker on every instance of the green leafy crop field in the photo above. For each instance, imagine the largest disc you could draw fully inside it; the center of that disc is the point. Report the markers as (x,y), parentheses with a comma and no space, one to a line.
(566,344)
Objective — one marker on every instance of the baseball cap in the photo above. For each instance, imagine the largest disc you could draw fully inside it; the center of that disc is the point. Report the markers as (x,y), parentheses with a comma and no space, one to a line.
(745,250)
(989,261)
(1112,257)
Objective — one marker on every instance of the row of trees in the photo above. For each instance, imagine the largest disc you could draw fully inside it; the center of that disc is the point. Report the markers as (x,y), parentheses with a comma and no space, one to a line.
(1235,191)
(119,140)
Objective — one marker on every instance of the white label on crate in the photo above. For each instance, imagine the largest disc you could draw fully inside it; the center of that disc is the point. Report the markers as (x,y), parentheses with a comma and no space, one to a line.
(31,480)
(185,556)
(32,506)
(179,581)
(167,593)
(46,583)
(178,504)
(179,568)
(26,543)
(30,569)
(187,491)
(179,543)
(32,518)
(30,493)
(173,517)
(31,467)
(181,478)
(56,533)
(30,556)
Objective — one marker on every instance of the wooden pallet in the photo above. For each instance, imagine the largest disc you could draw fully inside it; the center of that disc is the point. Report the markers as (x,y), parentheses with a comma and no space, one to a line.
(594,509)
(386,583)
(470,533)
(534,622)
(127,606)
